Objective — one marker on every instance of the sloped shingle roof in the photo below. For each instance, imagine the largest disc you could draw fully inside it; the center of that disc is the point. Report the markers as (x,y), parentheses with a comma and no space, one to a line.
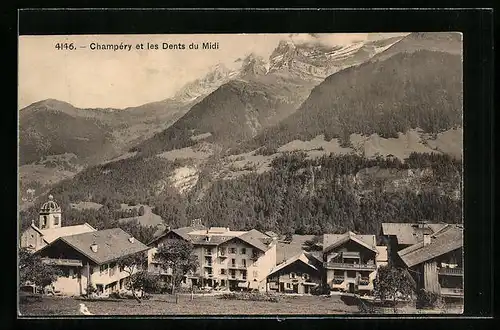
(331,241)
(182,232)
(409,233)
(112,244)
(257,239)
(50,235)
(197,236)
(444,241)
(302,257)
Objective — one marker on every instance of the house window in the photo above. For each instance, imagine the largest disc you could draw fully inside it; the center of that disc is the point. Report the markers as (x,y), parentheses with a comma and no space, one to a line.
(233,262)
(244,262)
(232,250)
(103,268)
(243,251)
(292,275)
(66,271)
(351,274)
(208,251)
(243,274)
(223,271)
(288,286)
(305,276)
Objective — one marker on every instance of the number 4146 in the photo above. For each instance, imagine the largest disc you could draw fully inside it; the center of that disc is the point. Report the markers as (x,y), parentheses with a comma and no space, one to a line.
(65,46)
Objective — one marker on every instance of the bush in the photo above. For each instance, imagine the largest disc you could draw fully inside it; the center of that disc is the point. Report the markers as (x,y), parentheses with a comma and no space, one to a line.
(427,299)
(251,296)
(91,291)
(321,289)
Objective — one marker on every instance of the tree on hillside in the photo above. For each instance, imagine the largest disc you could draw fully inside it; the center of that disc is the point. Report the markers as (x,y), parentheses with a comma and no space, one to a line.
(32,269)
(134,265)
(391,284)
(176,257)
(143,233)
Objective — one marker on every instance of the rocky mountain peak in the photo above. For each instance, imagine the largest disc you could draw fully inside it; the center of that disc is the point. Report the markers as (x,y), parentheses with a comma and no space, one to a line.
(253,64)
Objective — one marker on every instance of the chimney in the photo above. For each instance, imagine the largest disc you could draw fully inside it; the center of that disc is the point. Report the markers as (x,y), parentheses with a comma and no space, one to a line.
(427,239)
(94,247)
(131,239)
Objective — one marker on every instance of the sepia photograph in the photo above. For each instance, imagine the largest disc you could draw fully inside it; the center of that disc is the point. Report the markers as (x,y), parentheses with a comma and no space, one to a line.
(240,174)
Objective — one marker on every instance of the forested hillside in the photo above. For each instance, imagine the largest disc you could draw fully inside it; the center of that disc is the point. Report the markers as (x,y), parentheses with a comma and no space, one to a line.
(49,132)
(409,90)
(308,196)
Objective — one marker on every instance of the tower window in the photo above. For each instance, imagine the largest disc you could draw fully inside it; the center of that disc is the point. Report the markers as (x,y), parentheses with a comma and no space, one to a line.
(56,221)
(44,221)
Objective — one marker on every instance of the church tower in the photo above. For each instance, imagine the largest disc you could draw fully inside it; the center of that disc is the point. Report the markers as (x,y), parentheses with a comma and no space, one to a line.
(50,215)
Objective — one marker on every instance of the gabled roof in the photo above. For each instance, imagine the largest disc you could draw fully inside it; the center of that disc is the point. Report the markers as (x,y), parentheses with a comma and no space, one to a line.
(409,233)
(257,239)
(331,241)
(182,232)
(302,257)
(198,236)
(444,241)
(112,244)
(50,235)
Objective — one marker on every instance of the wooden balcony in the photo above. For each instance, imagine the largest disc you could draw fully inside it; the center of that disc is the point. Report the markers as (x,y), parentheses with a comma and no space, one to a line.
(236,266)
(346,266)
(451,271)
(236,278)
(62,262)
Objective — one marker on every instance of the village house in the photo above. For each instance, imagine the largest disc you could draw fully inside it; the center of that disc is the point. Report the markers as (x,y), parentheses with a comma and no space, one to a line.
(49,228)
(435,262)
(351,261)
(90,259)
(398,236)
(299,274)
(227,259)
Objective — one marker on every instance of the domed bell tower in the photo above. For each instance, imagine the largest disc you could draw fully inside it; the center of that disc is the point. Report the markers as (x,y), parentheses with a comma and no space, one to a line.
(50,215)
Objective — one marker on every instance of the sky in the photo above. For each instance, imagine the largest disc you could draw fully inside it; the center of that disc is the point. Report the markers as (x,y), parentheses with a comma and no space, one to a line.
(118,79)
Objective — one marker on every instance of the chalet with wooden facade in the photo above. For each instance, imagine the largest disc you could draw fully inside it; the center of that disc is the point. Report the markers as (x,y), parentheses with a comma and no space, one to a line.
(90,259)
(227,259)
(49,228)
(350,262)
(299,274)
(398,236)
(435,262)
